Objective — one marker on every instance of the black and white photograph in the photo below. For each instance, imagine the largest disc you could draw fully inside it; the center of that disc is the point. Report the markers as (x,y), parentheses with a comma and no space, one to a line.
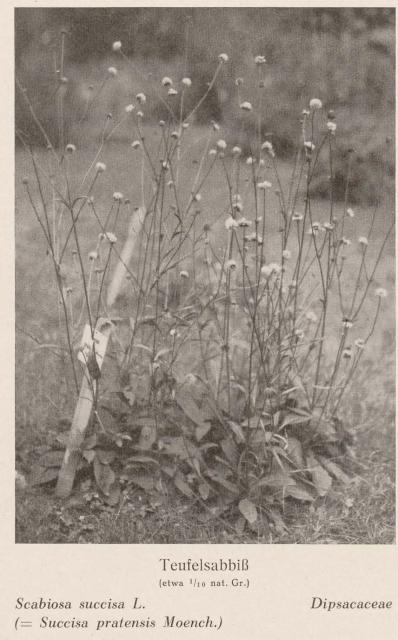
(205,275)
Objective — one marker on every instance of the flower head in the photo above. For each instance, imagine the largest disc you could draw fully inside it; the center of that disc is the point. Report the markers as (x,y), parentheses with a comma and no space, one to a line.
(268,269)
(286,254)
(136,144)
(360,344)
(187,82)
(260,60)
(129,108)
(184,274)
(311,316)
(309,145)
(264,185)
(230,264)
(112,71)
(267,146)
(167,82)
(172,92)
(236,151)
(221,144)
(117,196)
(243,222)
(381,293)
(297,216)
(223,57)
(328,226)
(70,148)
(345,241)
(100,167)
(350,212)
(331,127)
(117,45)
(141,98)
(363,241)
(246,106)
(110,237)
(315,104)
(231,223)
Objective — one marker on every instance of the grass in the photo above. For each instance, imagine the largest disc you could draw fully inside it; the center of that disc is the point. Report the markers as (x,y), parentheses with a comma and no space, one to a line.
(361,512)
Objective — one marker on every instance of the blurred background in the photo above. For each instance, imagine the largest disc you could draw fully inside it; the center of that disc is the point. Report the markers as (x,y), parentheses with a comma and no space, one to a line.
(343,56)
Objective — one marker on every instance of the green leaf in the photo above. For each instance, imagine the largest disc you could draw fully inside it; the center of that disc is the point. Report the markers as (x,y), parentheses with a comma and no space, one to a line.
(89,455)
(319,475)
(106,456)
(51,459)
(146,482)
(334,470)
(278,479)
(238,431)
(192,411)
(230,450)
(113,496)
(147,436)
(142,460)
(248,510)
(104,476)
(41,475)
(204,490)
(299,493)
(182,485)
(295,452)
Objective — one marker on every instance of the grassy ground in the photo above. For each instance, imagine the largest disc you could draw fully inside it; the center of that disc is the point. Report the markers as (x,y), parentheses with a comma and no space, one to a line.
(360,512)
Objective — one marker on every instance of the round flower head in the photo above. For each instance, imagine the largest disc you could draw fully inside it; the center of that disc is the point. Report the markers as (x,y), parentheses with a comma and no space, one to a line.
(381,293)
(141,98)
(167,82)
(117,196)
(243,222)
(311,316)
(264,185)
(236,151)
(246,106)
(331,127)
(269,269)
(93,255)
(175,135)
(347,323)
(100,167)
(213,152)
(185,125)
(363,241)
(230,264)
(267,146)
(70,148)
(172,92)
(117,45)
(221,144)
(328,226)
(350,212)
(260,60)
(286,254)
(112,71)
(215,125)
(110,237)
(315,103)
(345,241)
(297,216)
(360,344)
(231,223)
(223,57)
(129,108)
(197,197)
(140,114)
(184,274)
(136,144)
(187,82)
(309,145)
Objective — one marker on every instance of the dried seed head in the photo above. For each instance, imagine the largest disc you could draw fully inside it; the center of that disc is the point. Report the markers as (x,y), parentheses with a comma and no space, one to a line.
(112,71)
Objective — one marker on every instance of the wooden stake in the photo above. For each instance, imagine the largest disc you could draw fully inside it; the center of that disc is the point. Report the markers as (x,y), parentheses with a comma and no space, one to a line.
(88,387)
